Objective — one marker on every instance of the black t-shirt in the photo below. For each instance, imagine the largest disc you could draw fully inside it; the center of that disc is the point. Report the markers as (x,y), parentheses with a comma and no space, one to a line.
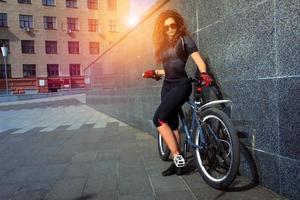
(175,58)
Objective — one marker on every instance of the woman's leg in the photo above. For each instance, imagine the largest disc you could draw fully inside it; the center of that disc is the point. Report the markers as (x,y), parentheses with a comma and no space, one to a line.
(177,136)
(170,138)
(171,102)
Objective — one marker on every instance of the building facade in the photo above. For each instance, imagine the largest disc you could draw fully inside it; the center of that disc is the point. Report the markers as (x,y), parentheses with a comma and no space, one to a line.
(51,41)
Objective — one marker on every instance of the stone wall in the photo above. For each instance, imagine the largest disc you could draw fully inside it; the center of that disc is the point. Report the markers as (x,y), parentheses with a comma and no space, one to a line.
(253,48)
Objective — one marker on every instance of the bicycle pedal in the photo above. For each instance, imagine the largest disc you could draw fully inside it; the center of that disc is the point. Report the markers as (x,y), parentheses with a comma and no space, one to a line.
(179,161)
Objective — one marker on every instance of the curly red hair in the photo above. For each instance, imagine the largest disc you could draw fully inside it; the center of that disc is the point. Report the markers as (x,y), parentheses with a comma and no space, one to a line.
(159,37)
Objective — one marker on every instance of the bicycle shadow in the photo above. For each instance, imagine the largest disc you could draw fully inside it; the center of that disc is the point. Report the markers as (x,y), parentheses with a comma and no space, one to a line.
(86,197)
(237,185)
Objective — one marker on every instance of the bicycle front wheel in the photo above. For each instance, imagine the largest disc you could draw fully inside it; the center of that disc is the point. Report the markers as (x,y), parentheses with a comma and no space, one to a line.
(218,164)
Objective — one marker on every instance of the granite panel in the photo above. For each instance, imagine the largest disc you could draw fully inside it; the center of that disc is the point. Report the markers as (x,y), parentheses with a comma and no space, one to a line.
(211,45)
(212,11)
(268,170)
(209,12)
(188,9)
(256,111)
(290,178)
(242,45)
(248,167)
(288,37)
(289,117)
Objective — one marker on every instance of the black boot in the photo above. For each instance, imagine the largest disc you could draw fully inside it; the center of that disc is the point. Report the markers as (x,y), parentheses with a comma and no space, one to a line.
(179,171)
(170,171)
(173,170)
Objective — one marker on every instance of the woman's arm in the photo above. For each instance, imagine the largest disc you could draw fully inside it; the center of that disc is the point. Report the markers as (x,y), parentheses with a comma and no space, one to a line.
(206,78)
(199,61)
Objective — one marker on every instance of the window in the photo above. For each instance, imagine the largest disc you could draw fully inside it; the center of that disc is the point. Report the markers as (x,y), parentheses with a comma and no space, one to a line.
(73,47)
(74,69)
(73,24)
(94,48)
(2,71)
(93,25)
(51,47)
(24,1)
(48,2)
(52,69)
(26,21)
(71,4)
(3,20)
(92,4)
(49,22)
(27,46)
(112,4)
(5,43)
(113,25)
(28,70)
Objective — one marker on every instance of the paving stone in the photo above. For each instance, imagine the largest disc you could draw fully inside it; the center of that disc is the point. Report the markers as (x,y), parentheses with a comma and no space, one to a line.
(34,173)
(134,184)
(7,190)
(109,153)
(30,195)
(75,116)
(107,163)
(137,197)
(76,170)
(67,189)
(84,157)
(104,168)
(103,185)
(100,196)
(239,193)
(32,190)
(166,184)
(178,194)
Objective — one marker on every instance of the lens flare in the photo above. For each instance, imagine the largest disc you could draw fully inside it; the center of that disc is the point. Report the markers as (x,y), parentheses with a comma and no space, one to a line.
(132,20)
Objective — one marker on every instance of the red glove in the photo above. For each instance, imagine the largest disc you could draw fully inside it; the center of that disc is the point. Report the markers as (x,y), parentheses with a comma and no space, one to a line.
(151,74)
(206,79)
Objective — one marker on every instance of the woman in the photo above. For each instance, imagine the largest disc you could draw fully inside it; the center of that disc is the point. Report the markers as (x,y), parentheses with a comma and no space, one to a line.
(173,46)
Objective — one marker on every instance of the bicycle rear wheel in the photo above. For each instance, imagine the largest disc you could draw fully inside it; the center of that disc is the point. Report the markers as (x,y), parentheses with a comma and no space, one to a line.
(218,164)
(163,149)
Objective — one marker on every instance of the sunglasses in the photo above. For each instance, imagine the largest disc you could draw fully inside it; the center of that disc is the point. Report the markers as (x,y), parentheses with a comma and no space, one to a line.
(172,26)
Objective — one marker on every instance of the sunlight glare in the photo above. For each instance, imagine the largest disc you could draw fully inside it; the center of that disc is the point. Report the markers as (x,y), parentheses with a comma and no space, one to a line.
(132,20)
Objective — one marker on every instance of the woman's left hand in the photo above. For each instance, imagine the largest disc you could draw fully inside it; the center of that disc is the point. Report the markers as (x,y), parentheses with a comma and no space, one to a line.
(206,79)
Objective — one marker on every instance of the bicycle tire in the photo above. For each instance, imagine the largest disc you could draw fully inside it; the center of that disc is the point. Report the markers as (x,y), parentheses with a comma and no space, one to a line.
(163,149)
(221,120)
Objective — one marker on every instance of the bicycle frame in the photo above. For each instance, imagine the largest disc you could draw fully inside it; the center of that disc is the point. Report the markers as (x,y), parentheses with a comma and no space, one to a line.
(196,121)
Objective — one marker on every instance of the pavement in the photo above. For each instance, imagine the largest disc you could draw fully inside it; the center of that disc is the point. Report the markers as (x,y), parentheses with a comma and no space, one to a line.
(66,150)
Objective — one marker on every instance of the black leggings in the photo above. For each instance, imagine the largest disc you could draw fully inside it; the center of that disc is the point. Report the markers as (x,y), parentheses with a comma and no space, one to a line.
(173,96)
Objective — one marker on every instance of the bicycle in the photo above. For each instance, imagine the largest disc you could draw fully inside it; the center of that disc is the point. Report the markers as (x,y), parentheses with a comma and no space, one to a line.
(213,139)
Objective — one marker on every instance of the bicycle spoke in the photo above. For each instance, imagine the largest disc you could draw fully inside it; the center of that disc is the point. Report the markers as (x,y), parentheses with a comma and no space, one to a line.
(217,165)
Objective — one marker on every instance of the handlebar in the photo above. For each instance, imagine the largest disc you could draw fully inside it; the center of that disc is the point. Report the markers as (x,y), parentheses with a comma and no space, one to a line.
(199,82)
